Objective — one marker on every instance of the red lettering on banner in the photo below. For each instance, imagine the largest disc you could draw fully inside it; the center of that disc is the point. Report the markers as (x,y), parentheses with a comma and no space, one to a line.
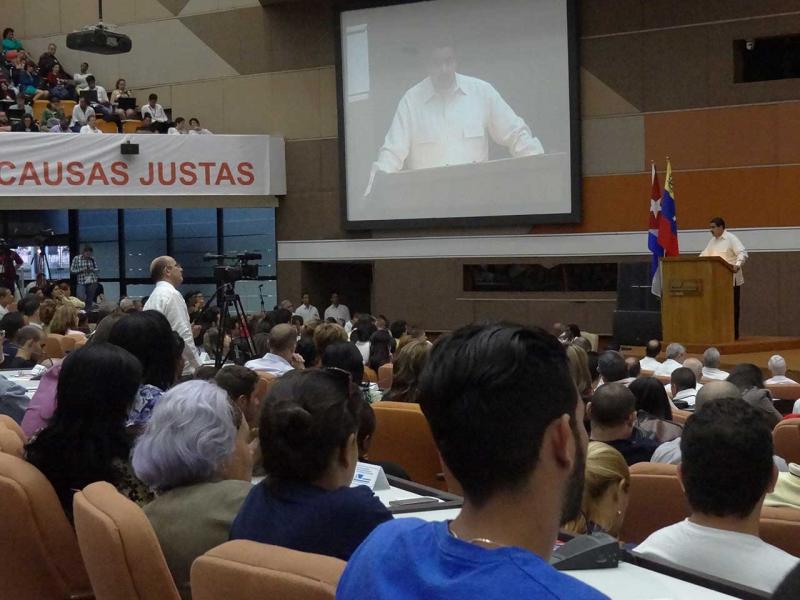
(188,175)
(148,179)
(97,174)
(120,171)
(225,175)
(29,174)
(10,165)
(163,179)
(75,170)
(59,173)
(206,166)
(247,176)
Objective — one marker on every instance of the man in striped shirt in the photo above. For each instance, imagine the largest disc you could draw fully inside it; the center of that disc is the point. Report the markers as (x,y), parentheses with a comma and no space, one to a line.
(85,268)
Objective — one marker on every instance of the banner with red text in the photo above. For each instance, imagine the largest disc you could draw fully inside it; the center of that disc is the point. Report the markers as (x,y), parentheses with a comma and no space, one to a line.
(71,164)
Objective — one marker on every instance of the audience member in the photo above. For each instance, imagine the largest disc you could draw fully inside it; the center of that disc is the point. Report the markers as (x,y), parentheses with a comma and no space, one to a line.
(80,78)
(787,489)
(65,296)
(12,47)
(307,431)
(156,112)
(194,127)
(344,357)
(85,440)
(121,91)
(579,369)
(29,344)
(650,362)
(10,261)
(507,420)
(361,334)
(307,310)
(605,492)
(147,335)
(65,322)
(48,60)
(5,124)
(180,127)
(582,343)
(30,309)
(11,323)
(676,354)
(327,334)
(748,378)
(612,413)
(380,349)
(711,368)
(612,368)
(777,366)
(683,387)
(57,83)
(281,356)
(146,125)
(337,311)
(307,350)
(407,368)
(632,367)
(80,114)
(167,274)
(398,329)
(241,384)
(6,301)
(91,125)
(653,411)
(26,124)
(726,471)
(193,453)
(53,111)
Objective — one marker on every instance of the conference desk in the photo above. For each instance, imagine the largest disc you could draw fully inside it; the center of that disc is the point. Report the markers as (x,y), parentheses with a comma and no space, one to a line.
(22,378)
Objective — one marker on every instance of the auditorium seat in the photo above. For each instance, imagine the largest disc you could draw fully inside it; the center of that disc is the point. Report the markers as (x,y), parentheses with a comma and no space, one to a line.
(402,436)
(38,109)
(67,106)
(785,392)
(68,343)
(10,442)
(131,125)
(120,548)
(786,439)
(265,381)
(385,374)
(665,379)
(655,500)
(370,375)
(52,346)
(594,339)
(242,569)
(39,554)
(107,126)
(14,426)
(645,373)
(680,416)
(780,526)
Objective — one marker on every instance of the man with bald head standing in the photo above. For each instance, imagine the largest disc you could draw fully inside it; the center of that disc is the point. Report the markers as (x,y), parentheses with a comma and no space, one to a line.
(167,274)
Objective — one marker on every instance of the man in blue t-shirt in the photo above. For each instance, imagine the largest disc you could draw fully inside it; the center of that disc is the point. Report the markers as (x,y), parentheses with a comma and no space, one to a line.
(508,423)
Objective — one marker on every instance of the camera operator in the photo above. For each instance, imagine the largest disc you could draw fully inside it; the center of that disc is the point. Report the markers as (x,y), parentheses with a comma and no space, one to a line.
(9,261)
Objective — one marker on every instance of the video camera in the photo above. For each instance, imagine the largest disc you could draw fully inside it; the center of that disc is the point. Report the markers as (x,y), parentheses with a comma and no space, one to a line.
(241,269)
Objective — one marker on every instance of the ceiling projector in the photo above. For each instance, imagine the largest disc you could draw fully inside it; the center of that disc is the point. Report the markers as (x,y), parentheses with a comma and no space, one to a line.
(99,40)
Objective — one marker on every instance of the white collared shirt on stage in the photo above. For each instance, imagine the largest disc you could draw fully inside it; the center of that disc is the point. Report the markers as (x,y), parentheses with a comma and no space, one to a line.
(728,247)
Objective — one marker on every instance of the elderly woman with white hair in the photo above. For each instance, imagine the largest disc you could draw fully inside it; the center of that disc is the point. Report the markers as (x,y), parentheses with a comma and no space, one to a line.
(193,453)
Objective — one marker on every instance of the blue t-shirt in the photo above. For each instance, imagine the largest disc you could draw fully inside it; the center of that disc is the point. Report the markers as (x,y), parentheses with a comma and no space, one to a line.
(304,517)
(410,558)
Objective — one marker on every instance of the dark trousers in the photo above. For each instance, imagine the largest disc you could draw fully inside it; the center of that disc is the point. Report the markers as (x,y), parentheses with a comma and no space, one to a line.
(737,294)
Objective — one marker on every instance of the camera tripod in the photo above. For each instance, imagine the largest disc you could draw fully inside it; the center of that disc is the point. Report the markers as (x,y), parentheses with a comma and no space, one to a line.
(228,299)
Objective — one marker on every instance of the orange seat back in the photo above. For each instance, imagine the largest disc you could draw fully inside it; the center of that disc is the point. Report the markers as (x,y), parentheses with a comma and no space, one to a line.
(655,500)
(786,440)
(780,526)
(106,126)
(370,375)
(39,555)
(38,109)
(680,416)
(120,548)
(131,125)
(14,426)
(402,436)
(52,345)
(785,392)
(385,375)
(242,569)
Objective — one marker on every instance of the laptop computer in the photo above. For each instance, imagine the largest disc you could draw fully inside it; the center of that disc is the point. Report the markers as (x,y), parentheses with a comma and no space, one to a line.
(90,95)
(126,103)
(15,113)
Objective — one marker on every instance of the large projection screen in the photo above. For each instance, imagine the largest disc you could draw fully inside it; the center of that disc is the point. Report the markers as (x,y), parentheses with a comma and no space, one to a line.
(458,112)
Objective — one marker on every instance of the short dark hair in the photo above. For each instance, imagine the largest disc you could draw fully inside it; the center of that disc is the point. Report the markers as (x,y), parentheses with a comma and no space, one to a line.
(305,347)
(150,97)
(574,330)
(306,417)
(90,79)
(746,376)
(683,379)
(398,328)
(718,221)
(489,392)
(653,348)
(612,404)
(88,248)
(611,365)
(179,120)
(195,120)
(282,315)
(592,360)
(345,356)
(29,305)
(380,349)
(11,323)
(29,332)
(726,449)
(296,320)
(651,397)
(236,381)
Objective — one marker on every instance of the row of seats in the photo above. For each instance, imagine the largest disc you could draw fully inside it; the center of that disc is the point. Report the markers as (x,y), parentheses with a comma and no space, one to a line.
(778,392)
(57,345)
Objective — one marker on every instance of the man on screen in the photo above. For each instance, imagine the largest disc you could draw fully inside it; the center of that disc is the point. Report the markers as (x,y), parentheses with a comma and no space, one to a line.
(443,120)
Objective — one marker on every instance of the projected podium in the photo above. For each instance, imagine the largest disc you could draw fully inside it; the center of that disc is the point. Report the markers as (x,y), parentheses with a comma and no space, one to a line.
(517,181)
(697,300)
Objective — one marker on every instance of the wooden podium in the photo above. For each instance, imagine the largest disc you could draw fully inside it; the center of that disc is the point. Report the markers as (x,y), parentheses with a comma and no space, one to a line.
(697,300)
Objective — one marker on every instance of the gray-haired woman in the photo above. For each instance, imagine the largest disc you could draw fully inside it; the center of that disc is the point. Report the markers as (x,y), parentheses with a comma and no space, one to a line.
(194,455)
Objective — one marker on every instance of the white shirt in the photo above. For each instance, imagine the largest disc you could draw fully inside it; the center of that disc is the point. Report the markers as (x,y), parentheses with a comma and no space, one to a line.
(339,312)
(102,96)
(670,453)
(170,303)
(729,248)
(739,557)
(668,389)
(431,129)
(363,347)
(667,367)
(687,396)
(80,81)
(79,115)
(157,114)
(712,373)
(780,380)
(307,312)
(87,129)
(648,363)
(270,363)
